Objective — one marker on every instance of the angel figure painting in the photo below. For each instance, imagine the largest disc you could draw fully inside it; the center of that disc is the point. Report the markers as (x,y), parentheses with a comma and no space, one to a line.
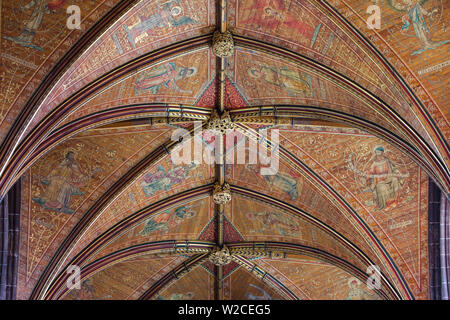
(170,14)
(166,76)
(382,177)
(415,17)
(62,183)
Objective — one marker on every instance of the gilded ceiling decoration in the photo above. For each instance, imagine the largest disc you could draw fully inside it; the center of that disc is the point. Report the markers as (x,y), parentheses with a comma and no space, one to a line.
(94,122)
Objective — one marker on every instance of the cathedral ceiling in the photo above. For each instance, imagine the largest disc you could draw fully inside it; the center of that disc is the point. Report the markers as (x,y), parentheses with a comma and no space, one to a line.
(108,98)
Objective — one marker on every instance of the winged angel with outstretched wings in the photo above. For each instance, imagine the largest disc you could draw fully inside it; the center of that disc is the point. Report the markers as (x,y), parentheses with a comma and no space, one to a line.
(415,16)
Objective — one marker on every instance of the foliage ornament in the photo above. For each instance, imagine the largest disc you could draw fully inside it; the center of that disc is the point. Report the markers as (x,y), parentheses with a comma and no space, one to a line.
(223,44)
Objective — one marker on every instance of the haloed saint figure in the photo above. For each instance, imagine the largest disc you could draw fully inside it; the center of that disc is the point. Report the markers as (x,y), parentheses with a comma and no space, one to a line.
(383,180)
(61,184)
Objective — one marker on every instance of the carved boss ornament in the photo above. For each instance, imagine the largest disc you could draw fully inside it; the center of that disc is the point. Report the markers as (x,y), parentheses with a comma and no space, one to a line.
(222,193)
(220,124)
(223,44)
(220,257)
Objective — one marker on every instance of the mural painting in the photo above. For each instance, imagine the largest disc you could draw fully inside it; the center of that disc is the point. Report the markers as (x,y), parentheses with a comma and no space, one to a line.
(312,279)
(263,295)
(164,179)
(198,284)
(417,16)
(40,8)
(132,277)
(385,187)
(383,178)
(282,224)
(357,293)
(62,183)
(277,15)
(169,14)
(284,182)
(242,285)
(165,75)
(169,219)
(61,186)
(374,182)
(87,291)
(292,81)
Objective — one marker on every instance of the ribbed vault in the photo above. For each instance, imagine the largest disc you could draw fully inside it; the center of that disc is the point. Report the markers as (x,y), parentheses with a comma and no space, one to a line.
(143,227)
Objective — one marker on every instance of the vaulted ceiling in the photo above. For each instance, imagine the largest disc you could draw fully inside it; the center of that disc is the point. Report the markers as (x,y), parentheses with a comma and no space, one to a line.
(87,124)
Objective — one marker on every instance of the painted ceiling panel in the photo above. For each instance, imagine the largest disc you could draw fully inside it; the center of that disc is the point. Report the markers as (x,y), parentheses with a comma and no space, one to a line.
(295,187)
(398,217)
(306,27)
(182,80)
(195,285)
(26,60)
(92,143)
(242,285)
(148,26)
(184,221)
(265,79)
(160,180)
(256,221)
(52,205)
(124,280)
(418,50)
(310,279)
